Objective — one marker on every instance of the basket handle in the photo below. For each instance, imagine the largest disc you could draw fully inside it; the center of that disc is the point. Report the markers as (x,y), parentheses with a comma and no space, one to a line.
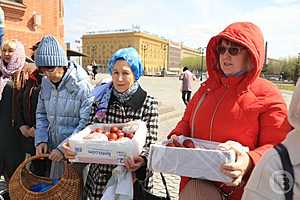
(31,158)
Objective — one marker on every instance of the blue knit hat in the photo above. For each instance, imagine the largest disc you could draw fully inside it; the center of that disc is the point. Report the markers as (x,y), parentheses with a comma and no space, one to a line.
(50,53)
(131,56)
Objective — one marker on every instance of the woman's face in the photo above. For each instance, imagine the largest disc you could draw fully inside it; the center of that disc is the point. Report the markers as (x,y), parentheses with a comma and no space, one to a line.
(122,76)
(54,74)
(7,53)
(233,58)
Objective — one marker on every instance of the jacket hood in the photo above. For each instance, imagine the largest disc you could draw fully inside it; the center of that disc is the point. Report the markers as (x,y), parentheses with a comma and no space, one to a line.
(246,34)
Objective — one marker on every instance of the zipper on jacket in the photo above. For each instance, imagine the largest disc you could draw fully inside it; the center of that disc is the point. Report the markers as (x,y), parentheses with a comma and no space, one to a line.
(214,113)
(54,120)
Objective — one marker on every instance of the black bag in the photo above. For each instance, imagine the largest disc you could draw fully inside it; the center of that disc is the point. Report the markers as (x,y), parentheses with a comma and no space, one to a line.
(4,195)
(288,167)
(140,193)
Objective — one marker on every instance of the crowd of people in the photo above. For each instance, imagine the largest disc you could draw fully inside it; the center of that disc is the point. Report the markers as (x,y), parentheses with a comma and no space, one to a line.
(41,106)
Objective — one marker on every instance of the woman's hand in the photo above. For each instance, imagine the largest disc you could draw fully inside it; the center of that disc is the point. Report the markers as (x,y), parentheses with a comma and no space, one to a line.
(42,148)
(56,155)
(237,169)
(31,132)
(68,153)
(133,164)
(25,130)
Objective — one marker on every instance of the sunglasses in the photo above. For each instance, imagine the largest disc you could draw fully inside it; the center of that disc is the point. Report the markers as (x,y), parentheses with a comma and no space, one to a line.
(233,51)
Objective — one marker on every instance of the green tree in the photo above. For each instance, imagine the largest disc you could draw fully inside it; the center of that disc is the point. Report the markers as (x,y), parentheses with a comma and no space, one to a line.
(194,63)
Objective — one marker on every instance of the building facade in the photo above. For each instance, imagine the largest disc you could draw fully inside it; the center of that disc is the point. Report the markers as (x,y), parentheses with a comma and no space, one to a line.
(189,52)
(101,45)
(174,60)
(29,20)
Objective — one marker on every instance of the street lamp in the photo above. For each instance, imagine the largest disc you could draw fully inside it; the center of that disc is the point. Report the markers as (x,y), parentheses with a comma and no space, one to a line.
(145,47)
(202,58)
(164,48)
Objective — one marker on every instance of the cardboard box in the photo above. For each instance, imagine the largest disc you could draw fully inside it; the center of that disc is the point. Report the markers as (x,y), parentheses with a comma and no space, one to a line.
(203,162)
(108,152)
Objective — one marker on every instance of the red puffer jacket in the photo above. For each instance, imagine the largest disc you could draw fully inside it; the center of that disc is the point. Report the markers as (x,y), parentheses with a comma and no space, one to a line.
(246,109)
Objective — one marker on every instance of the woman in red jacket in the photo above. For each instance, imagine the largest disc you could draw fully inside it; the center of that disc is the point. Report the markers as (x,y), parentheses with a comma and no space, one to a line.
(235,104)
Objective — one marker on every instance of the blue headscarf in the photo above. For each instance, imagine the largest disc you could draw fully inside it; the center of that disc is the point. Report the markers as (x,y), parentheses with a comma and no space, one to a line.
(131,56)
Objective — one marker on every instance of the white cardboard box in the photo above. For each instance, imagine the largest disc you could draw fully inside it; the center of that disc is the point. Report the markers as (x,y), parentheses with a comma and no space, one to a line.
(202,163)
(108,152)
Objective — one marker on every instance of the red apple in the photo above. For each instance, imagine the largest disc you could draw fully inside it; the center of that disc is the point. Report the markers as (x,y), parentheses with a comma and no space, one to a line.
(107,133)
(129,135)
(188,143)
(112,136)
(114,129)
(99,130)
(177,144)
(171,144)
(120,134)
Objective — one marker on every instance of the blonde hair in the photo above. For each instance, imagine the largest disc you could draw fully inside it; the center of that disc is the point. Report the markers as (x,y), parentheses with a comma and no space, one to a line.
(12,44)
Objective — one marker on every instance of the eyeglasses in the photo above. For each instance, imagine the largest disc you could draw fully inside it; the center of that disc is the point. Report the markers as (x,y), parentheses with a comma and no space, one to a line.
(233,51)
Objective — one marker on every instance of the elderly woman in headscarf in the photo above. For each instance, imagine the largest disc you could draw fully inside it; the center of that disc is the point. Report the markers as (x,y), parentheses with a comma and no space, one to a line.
(120,101)
(11,64)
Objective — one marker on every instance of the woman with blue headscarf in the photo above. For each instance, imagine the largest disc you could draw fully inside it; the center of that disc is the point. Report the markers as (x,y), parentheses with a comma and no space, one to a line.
(120,101)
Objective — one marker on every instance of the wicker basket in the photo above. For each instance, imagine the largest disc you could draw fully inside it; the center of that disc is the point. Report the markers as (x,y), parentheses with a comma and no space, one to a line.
(68,188)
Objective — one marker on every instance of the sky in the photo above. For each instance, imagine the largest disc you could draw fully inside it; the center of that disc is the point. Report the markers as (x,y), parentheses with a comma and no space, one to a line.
(192,22)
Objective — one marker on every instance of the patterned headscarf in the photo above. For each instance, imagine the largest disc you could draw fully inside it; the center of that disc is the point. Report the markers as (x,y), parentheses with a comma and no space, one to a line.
(15,64)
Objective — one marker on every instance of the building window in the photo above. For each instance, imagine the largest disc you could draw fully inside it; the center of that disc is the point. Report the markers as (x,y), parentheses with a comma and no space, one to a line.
(13,9)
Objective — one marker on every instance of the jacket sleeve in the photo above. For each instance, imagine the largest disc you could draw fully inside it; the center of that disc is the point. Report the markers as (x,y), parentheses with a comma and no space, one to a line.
(20,107)
(152,121)
(42,123)
(273,122)
(183,126)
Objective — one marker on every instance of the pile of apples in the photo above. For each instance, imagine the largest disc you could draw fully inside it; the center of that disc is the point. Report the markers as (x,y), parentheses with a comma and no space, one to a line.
(113,134)
(187,143)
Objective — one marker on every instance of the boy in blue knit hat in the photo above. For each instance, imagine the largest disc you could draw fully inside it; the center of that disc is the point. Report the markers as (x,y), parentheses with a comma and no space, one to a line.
(64,103)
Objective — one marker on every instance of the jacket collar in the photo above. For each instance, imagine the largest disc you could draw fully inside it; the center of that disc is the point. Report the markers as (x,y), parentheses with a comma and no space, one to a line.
(136,101)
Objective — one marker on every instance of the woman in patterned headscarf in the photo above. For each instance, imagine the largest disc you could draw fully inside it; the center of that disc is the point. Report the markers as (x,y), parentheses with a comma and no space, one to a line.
(11,63)
(120,101)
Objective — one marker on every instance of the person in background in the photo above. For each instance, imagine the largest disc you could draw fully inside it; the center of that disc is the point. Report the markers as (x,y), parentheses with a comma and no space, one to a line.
(121,101)
(187,78)
(2,20)
(11,81)
(94,70)
(63,104)
(26,123)
(234,107)
(267,179)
